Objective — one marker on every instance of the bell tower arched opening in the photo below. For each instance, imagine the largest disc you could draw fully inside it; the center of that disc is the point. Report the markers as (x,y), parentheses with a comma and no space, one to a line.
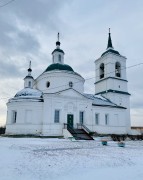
(101,71)
(60,58)
(117,69)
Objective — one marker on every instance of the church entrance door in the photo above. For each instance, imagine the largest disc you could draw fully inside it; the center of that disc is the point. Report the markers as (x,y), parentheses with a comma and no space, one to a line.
(70,119)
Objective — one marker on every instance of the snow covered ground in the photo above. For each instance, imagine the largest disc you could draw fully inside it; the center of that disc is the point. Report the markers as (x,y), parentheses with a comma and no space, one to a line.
(59,159)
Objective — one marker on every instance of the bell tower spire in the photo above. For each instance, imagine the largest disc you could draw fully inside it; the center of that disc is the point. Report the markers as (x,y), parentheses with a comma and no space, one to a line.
(109,45)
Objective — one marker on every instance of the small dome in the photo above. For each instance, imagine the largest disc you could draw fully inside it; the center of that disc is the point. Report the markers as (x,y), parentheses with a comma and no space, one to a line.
(58,66)
(58,50)
(30,77)
(28,93)
(58,43)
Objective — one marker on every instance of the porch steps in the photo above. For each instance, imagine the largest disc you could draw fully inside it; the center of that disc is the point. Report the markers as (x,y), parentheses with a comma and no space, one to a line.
(80,134)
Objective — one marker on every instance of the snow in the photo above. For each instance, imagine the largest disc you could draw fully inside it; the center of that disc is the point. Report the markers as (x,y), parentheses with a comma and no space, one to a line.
(100,100)
(27,93)
(60,159)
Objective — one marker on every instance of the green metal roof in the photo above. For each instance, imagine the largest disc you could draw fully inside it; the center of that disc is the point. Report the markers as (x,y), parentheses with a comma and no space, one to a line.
(113,91)
(112,51)
(29,77)
(59,50)
(58,66)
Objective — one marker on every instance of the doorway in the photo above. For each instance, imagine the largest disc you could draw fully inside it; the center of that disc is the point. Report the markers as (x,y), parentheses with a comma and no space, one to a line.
(70,120)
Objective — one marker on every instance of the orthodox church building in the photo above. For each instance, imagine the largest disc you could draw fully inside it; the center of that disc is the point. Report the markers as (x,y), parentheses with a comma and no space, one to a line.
(55,102)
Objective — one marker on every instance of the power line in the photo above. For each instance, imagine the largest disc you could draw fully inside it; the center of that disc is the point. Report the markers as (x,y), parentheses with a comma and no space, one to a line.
(97,76)
(90,77)
(6,3)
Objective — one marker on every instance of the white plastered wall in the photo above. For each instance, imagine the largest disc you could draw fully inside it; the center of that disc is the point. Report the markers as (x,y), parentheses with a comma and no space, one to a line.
(66,105)
(23,125)
(117,120)
(59,80)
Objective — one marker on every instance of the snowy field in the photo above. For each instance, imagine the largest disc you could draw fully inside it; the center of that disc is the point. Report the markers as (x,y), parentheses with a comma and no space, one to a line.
(59,159)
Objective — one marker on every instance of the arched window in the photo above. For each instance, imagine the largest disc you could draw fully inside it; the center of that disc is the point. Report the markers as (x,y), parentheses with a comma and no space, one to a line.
(60,58)
(101,71)
(117,69)
(29,84)
(70,84)
(48,84)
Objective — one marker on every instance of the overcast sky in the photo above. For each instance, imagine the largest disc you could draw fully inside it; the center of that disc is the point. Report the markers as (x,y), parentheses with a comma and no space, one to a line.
(28,31)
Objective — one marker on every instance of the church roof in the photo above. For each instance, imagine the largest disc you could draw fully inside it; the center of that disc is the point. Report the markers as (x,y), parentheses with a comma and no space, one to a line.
(112,51)
(58,66)
(29,76)
(99,100)
(28,93)
(58,50)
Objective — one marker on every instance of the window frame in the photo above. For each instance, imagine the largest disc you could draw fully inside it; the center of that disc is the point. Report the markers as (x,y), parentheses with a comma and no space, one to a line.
(106,119)
(14,116)
(48,84)
(97,118)
(55,116)
(102,71)
(59,58)
(29,84)
(81,117)
(118,69)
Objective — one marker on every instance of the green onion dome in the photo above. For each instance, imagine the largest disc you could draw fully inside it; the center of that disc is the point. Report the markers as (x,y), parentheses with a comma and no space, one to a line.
(58,66)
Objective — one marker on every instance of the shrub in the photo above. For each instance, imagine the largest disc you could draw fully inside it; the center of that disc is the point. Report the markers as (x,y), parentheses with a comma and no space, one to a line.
(2,130)
(116,137)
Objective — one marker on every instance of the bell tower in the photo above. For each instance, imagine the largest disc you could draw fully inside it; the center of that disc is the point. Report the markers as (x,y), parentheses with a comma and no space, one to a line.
(110,78)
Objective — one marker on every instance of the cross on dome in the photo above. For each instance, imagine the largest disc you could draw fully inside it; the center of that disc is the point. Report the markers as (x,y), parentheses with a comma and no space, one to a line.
(58,42)
(28,80)
(58,36)
(29,69)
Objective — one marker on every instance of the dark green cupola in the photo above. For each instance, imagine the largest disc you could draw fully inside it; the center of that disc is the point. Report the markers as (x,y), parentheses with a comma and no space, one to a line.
(57,66)
(58,60)
(28,80)
(58,54)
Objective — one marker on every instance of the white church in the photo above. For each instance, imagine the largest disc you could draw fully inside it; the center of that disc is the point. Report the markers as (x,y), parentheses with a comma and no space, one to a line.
(55,104)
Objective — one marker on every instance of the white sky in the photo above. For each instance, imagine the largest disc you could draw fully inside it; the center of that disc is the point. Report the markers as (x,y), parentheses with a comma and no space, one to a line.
(28,30)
